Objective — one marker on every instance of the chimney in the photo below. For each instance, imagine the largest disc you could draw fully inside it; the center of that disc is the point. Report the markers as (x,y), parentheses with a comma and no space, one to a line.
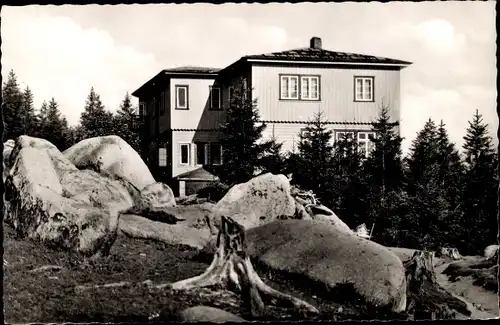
(315,43)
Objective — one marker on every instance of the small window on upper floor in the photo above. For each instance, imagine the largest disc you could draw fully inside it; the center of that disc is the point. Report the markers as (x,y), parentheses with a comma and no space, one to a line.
(215,102)
(309,88)
(363,89)
(181,97)
(289,86)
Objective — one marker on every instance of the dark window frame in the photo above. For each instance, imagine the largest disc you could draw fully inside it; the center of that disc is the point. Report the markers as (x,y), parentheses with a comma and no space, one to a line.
(372,86)
(299,77)
(210,104)
(177,97)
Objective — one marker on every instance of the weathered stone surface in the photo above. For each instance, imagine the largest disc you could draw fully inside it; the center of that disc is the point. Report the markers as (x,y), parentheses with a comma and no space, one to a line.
(208,314)
(322,253)
(181,233)
(449,252)
(113,157)
(156,196)
(260,200)
(490,251)
(322,213)
(52,201)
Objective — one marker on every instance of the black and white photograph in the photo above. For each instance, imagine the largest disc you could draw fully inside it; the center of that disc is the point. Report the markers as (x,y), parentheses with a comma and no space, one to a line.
(250,162)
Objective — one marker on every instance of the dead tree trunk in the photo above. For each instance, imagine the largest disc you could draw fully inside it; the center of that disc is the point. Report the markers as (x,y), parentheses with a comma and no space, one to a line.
(231,268)
(426,298)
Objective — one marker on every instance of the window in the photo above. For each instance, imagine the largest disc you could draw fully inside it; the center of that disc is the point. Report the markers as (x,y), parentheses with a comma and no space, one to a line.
(289,87)
(162,157)
(363,88)
(366,146)
(215,153)
(181,97)
(363,139)
(215,98)
(185,154)
(309,88)
(201,153)
(142,110)
(347,135)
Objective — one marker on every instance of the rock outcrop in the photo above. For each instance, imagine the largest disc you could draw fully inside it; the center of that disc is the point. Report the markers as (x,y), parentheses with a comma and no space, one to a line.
(490,251)
(50,200)
(262,199)
(322,253)
(112,157)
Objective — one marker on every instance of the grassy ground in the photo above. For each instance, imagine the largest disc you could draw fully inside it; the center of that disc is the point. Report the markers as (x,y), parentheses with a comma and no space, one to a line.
(51,295)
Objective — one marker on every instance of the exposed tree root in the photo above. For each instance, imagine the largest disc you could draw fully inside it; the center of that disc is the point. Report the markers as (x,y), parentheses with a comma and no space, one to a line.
(46,268)
(231,268)
(426,298)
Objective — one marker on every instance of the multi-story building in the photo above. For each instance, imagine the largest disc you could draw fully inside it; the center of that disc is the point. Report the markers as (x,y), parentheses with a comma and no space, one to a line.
(183,107)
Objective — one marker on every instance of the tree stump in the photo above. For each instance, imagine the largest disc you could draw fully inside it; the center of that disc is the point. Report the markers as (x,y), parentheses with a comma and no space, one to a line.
(426,298)
(231,268)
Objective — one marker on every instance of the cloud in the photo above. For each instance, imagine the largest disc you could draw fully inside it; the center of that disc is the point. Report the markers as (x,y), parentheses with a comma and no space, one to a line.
(62,50)
(58,58)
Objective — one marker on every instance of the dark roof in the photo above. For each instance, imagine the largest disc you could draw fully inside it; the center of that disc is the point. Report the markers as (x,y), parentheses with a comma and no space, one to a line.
(193,70)
(186,70)
(199,174)
(322,55)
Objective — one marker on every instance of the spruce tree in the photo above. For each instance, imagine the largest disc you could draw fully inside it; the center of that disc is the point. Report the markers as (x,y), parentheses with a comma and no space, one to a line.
(29,112)
(480,186)
(384,180)
(95,119)
(273,160)
(56,126)
(241,139)
(343,196)
(13,109)
(313,170)
(423,154)
(125,123)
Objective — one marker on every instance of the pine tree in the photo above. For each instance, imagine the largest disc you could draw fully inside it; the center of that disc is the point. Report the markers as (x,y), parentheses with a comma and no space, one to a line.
(384,179)
(241,140)
(423,155)
(13,109)
(125,124)
(56,126)
(313,170)
(95,120)
(480,186)
(29,111)
(346,182)
(273,160)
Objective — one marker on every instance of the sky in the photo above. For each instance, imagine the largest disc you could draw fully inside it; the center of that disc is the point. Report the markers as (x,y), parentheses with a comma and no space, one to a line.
(63,51)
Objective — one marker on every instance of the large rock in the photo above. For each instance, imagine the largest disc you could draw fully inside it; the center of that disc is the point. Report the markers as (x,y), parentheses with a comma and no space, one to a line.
(322,213)
(208,314)
(50,200)
(262,199)
(490,251)
(113,157)
(321,253)
(156,196)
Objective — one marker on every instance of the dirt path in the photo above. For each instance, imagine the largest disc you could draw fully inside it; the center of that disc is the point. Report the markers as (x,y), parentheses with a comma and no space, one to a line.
(470,293)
